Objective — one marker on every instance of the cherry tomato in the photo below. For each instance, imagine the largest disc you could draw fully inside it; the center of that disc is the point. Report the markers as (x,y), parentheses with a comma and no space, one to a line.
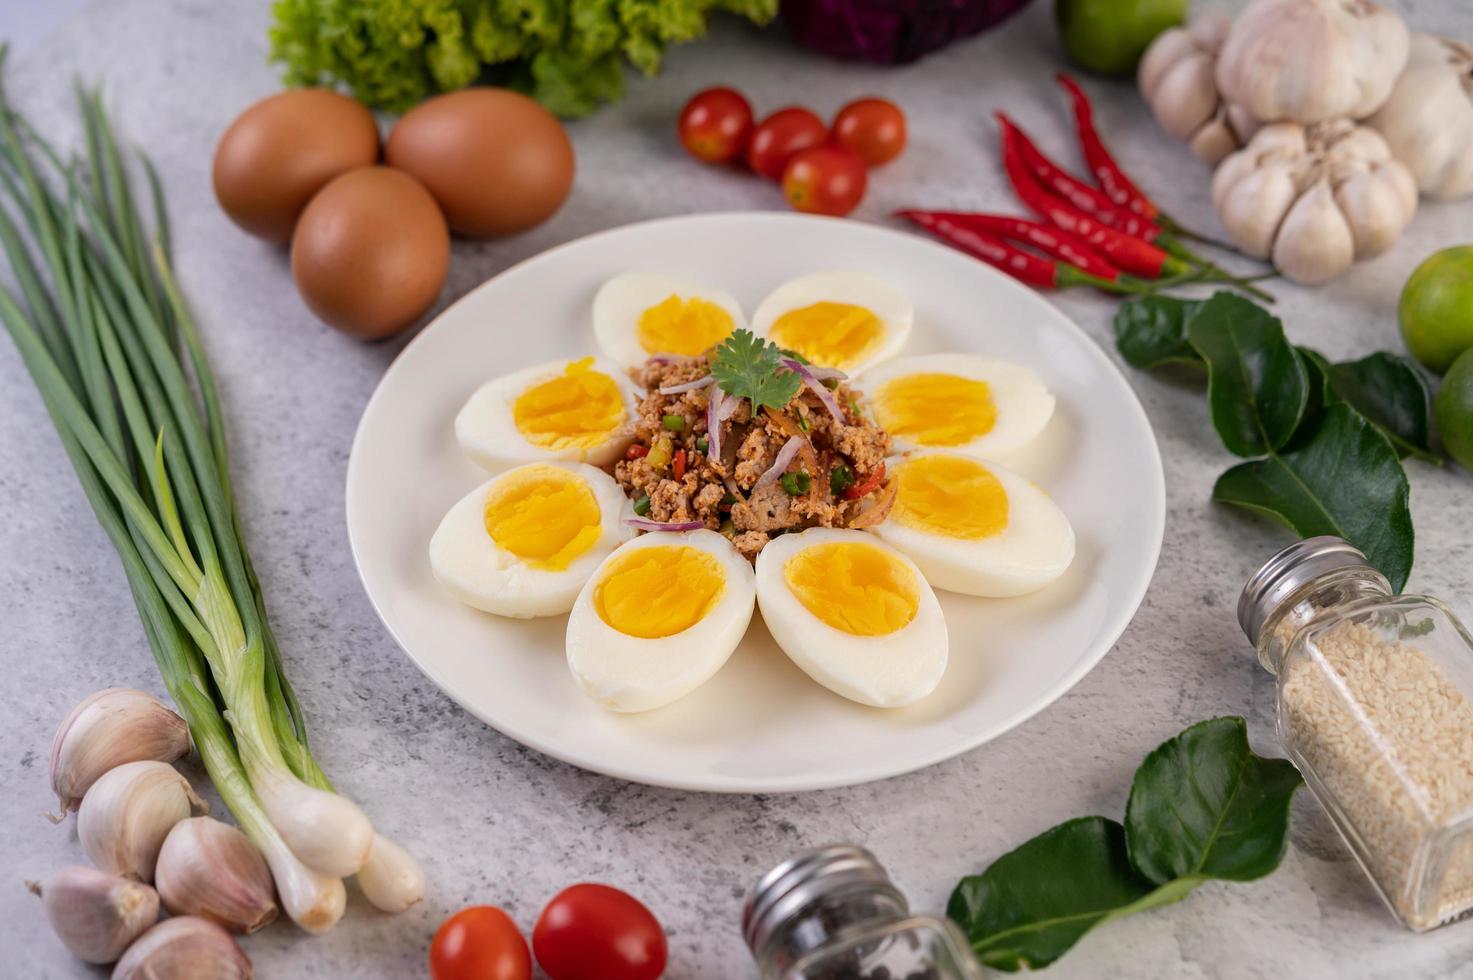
(715,124)
(825,180)
(873,128)
(779,136)
(594,932)
(479,943)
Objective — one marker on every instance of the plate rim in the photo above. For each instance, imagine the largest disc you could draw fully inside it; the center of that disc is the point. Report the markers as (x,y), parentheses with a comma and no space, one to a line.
(1105,640)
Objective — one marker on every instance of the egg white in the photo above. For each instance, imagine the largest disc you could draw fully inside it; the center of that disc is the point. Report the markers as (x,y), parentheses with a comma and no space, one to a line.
(1024,404)
(629,673)
(1034,549)
(886,302)
(488,434)
(478,572)
(619,303)
(882,671)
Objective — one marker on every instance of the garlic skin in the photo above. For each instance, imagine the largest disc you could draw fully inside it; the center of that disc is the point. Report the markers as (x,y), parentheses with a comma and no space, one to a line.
(1314,198)
(96,915)
(212,870)
(107,729)
(391,879)
(1310,61)
(126,815)
(184,948)
(1428,121)
(1176,79)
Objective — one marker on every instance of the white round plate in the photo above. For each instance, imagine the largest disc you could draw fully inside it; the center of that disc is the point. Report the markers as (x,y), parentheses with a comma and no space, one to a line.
(759,725)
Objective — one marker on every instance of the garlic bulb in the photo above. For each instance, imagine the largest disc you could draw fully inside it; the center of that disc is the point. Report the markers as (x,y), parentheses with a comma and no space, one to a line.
(126,815)
(1314,198)
(97,915)
(391,878)
(1176,80)
(104,731)
(1310,61)
(185,948)
(1428,121)
(212,870)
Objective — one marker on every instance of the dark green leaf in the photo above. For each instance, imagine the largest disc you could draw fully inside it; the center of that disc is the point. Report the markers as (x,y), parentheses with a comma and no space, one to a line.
(747,366)
(1035,902)
(1391,393)
(1320,397)
(1204,806)
(1256,384)
(1152,332)
(1345,480)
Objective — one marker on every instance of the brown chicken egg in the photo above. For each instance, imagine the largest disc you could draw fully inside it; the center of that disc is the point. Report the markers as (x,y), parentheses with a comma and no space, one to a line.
(370,252)
(497,162)
(282,150)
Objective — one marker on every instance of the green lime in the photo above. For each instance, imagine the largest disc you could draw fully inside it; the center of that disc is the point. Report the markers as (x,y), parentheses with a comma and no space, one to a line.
(1454,406)
(1109,36)
(1436,308)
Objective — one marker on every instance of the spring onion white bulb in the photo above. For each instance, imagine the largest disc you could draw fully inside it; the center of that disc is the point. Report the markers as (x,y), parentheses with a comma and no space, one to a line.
(327,831)
(392,879)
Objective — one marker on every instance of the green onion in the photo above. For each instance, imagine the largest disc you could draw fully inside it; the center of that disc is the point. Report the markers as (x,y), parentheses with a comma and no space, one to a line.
(727,528)
(803,423)
(642,505)
(728,499)
(841,478)
(675,423)
(796,483)
(701,445)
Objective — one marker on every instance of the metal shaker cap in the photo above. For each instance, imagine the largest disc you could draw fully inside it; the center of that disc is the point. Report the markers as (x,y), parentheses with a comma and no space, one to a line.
(1287,572)
(802,880)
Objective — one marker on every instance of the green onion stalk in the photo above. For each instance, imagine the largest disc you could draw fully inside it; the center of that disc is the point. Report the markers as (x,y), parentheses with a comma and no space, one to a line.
(100,333)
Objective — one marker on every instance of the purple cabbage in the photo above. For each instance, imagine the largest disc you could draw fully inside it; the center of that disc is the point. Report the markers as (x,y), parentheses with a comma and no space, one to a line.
(890,31)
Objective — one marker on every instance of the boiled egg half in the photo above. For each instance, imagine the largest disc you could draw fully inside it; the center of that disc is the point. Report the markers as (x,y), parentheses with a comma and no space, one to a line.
(855,614)
(640,314)
(523,543)
(974,527)
(843,320)
(964,403)
(658,618)
(571,410)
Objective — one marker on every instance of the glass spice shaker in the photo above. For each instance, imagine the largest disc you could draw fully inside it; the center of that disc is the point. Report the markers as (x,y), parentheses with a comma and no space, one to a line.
(834,914)
(1375,708)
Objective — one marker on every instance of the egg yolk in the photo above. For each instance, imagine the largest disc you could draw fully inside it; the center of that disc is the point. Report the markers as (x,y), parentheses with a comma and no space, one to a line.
(682,326)
(836,335)
(658,591)
(936,409)
(545,516)
(579,408)
(854,587)
(951,497)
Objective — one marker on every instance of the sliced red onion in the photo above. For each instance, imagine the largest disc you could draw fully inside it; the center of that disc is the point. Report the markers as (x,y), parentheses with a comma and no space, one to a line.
(733,489)
(814,384)
(687,386)
(645,524)
(670,359)
(719,407)
(825,374)
(780,465)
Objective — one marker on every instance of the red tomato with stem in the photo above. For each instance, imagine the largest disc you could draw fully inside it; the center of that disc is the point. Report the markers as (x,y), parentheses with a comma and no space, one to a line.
(872,128)
(479,943)
(715,124)
(781,135)
(595,932)
(825,180)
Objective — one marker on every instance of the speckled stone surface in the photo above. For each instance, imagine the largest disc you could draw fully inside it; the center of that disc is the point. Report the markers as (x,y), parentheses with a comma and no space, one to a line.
(497,823)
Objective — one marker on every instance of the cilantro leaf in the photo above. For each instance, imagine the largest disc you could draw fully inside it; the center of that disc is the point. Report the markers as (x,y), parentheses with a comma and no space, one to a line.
(747,366)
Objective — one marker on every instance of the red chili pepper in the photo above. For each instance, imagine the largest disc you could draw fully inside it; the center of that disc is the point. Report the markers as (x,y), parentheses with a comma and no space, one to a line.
(1023,266)
(636,451)
(1139,258)
(1049,239)
(678,466)
(1119,188)
(1076,192)
(869,483)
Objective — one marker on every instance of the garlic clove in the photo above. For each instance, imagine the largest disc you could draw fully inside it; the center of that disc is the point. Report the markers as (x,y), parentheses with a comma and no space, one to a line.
(212,870)
(1255,205)
(1186,97)
(127,813)
(1428,119)
(1213,141)
(95,914)
(1169,48)
(104,731)
(1375,208)
(1315,243)
(185,948)
(391,879)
